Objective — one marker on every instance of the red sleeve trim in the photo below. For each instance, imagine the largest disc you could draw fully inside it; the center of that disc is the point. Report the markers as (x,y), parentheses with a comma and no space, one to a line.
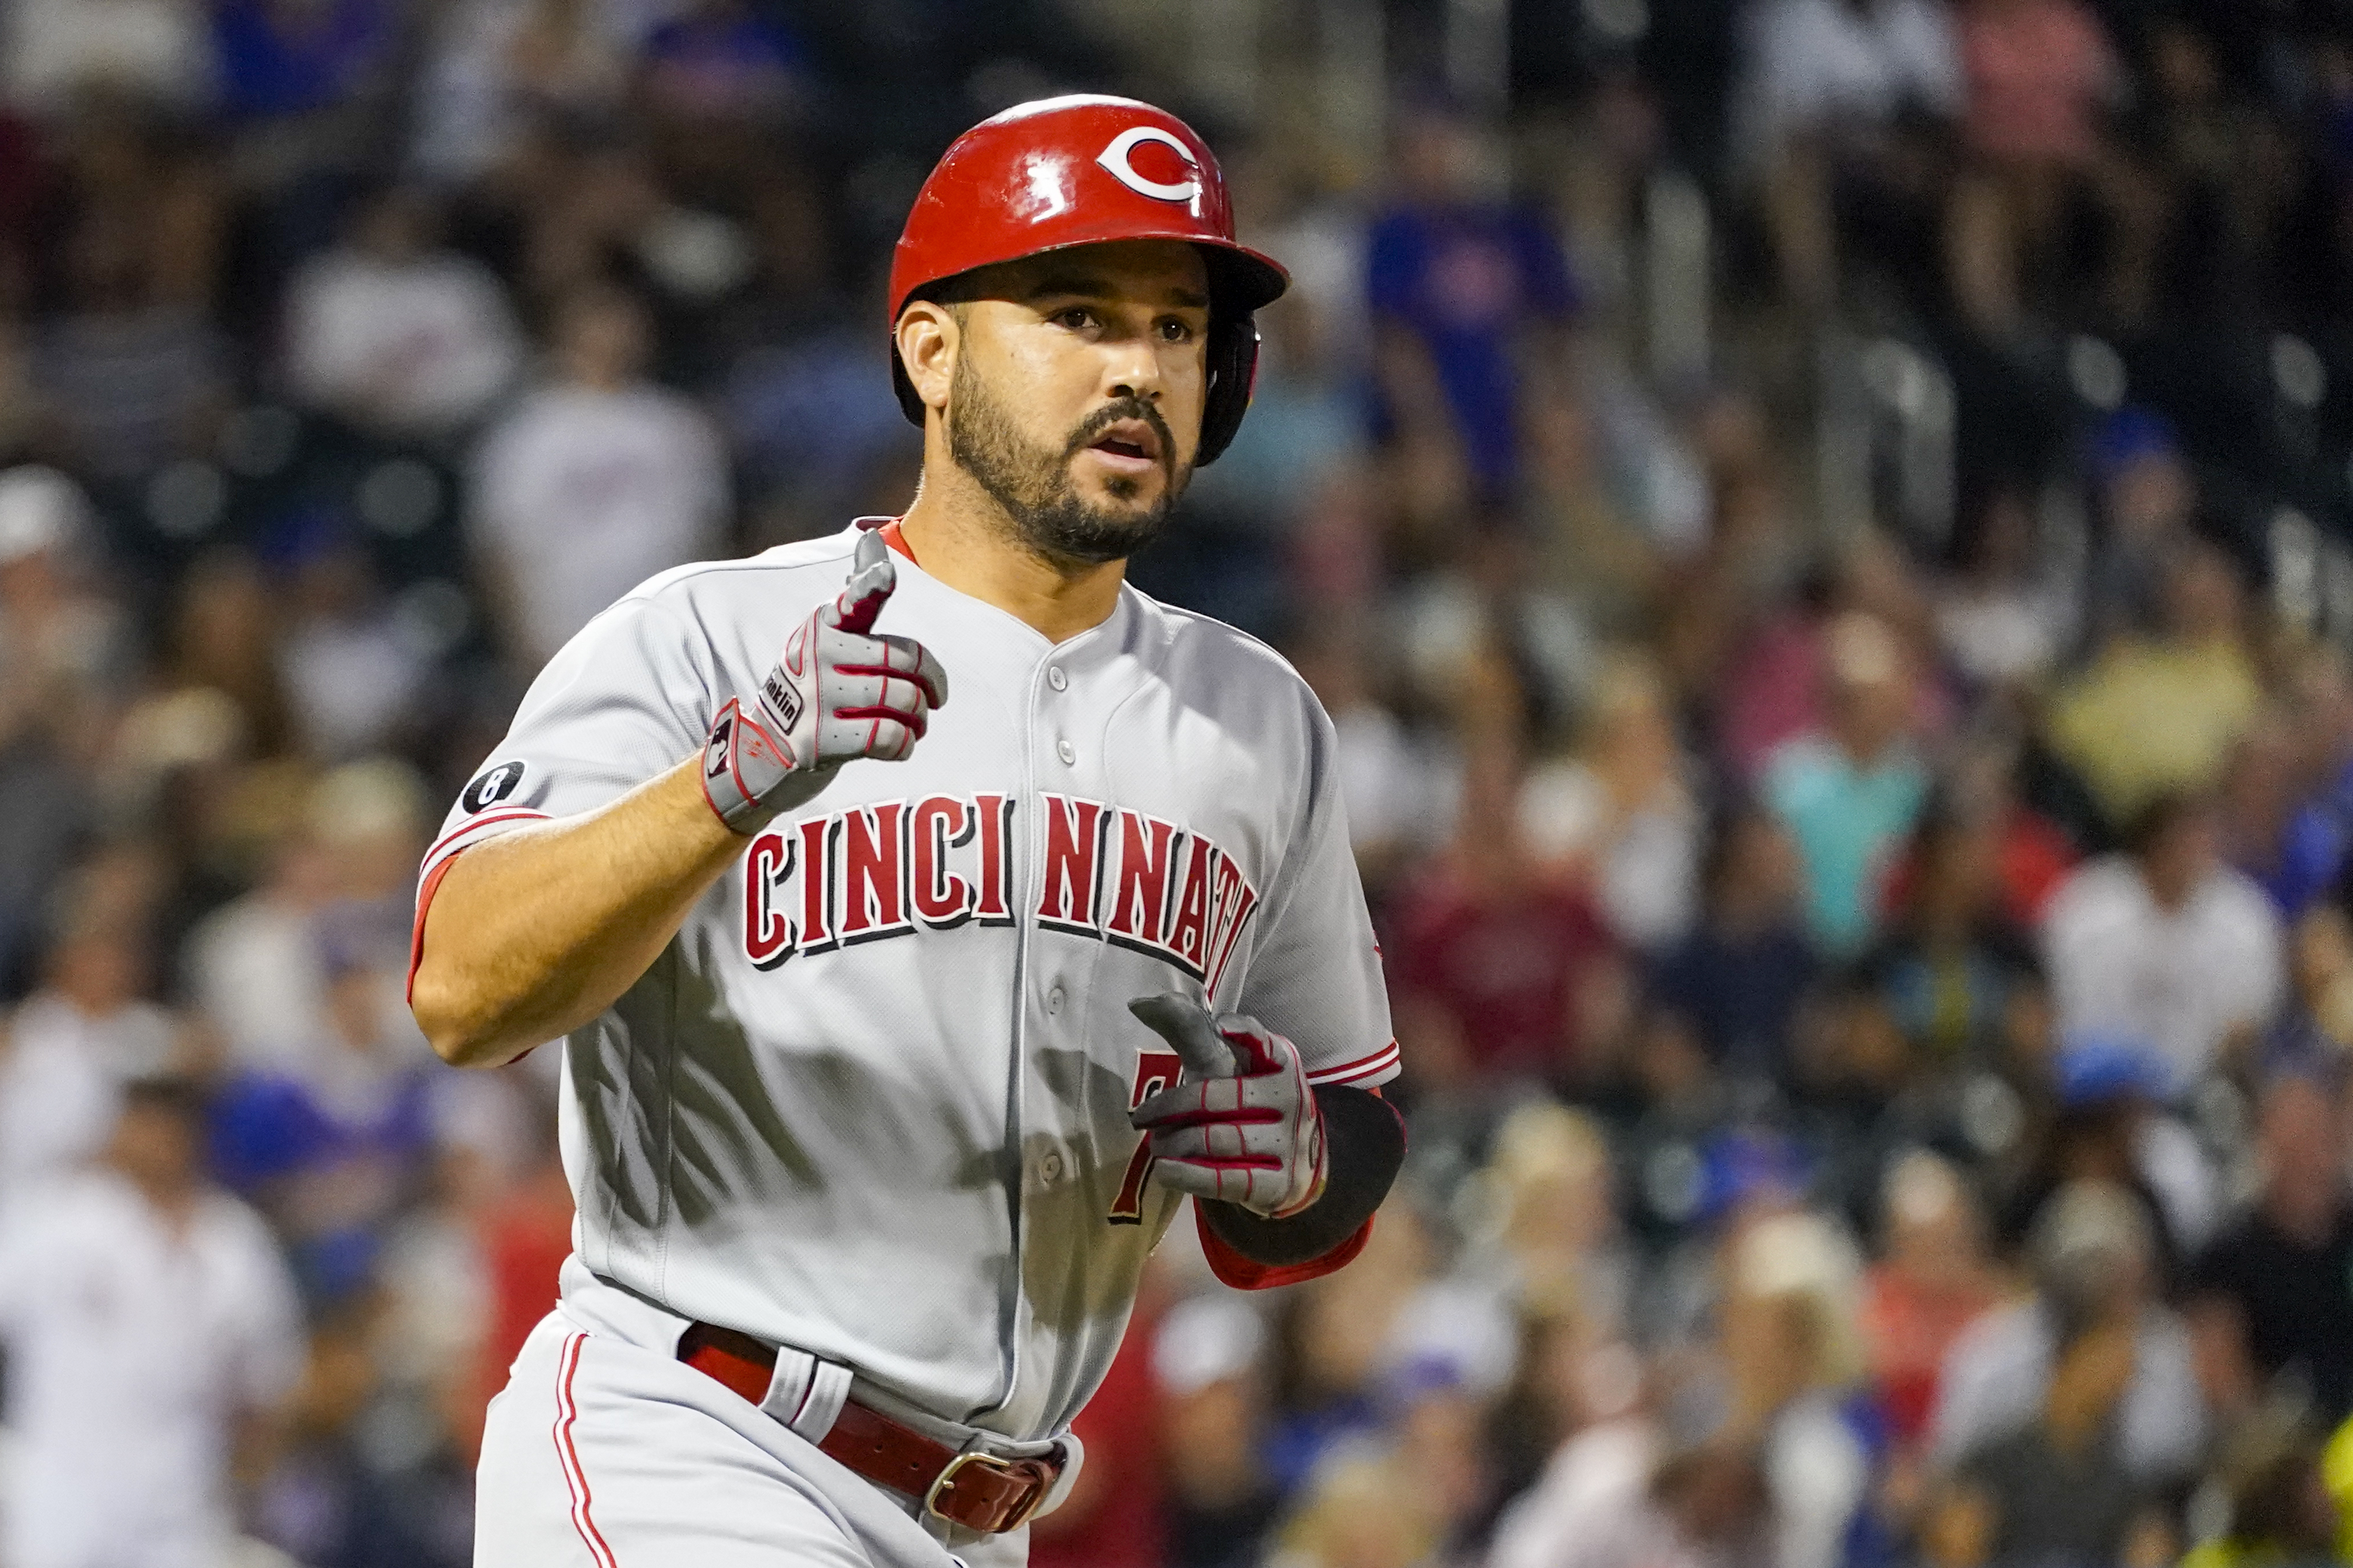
(425,892)
(1364,1066)
(1248,1274)
(517,814)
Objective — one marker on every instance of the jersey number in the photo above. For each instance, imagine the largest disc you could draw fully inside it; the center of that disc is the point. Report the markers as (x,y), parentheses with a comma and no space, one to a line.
(1154,1070)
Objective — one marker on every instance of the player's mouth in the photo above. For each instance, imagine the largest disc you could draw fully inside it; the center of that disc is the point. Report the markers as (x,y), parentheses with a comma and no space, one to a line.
(1130,447)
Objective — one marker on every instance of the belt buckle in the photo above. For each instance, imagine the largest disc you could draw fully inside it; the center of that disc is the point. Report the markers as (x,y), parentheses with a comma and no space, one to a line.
(1030,1470)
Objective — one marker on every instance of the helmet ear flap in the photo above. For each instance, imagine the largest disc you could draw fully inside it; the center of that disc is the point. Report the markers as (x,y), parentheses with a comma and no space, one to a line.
(1233,376)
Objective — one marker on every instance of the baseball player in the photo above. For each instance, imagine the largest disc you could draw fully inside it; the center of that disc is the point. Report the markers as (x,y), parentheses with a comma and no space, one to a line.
(926,913)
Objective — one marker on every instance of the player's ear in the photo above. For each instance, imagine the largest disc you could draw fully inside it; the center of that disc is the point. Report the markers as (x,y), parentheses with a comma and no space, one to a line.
(929,335)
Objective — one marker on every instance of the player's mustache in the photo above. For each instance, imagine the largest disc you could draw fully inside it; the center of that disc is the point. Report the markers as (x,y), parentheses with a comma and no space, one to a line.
(1113,413)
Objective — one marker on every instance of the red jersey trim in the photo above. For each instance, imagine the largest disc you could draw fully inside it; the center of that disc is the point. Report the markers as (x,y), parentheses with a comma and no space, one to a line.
(437,861)
(896,538)
(450,840)
(425,891)
(1364,1067)
(1248,1274)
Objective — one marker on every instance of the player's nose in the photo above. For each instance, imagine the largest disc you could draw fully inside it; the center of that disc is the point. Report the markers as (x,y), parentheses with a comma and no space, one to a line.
(1132,369)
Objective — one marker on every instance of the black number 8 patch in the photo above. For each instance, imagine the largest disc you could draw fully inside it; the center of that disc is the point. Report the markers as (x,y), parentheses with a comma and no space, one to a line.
(493,785)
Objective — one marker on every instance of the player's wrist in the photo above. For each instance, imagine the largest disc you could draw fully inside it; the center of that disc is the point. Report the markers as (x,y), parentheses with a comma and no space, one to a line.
(745,771)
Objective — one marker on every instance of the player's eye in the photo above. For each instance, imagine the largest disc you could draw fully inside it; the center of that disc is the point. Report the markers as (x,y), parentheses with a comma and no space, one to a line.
(1077,317)
(1174,329)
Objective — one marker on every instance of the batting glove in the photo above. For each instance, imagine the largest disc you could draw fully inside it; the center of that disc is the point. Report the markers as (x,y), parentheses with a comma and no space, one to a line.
(839,690)
(1243,1125)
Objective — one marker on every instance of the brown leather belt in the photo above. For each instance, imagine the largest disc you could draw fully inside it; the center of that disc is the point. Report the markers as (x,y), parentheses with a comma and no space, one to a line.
(979,1491)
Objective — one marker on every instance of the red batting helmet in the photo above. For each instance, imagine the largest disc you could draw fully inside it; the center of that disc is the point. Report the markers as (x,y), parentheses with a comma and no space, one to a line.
(1080,170)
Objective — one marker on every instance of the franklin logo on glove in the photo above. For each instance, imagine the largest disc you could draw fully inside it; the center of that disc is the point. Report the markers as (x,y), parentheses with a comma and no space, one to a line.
(839,692)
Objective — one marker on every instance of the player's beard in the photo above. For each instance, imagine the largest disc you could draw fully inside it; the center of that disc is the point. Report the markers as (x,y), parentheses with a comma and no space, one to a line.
(1032,483)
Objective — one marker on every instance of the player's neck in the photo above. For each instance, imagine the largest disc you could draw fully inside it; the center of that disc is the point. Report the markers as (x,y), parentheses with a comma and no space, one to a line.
(956,538)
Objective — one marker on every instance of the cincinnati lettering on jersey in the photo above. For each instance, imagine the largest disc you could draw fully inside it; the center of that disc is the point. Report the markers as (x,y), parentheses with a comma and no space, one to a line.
(894,867)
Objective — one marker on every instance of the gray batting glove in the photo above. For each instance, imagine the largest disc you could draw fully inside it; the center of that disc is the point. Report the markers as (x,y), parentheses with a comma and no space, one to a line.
(839,690)
(1243,1125)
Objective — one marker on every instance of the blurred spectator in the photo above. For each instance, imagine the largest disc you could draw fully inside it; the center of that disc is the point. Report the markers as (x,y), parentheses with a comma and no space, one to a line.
(1207,1364)
(390,331)
(1835,89)
(2037,71)
(1384,778)
(331,1145)
(1933,1282)
(2279,1501)
(350,667)
(1950,964)
(1778,686)
(255,965)
(156,50)
(61,642)
(1850,795)
(2165,944)
(280,58)
(69,1049)
(722,60)
(2108,1127)
(66,660)
(1501,972)
(1792,1362)
(220,644)
(2094,1265)
(2153,715)
(1626,809)
(2038,75)
(2294,850)
(130,379)
(595,482)
(1555,1240)
(1736,653)
(1604,1442)
(1614,1500)
(1469,297)
(151,1333)
(2146,500)
(2310,1035)
(2005,617)
(1574,1372)
(323,1500)
(2272,1298)
(2057,1490)
(1437,1422)
(1333,1345)
(1363,1509)
(1611,501)
(1735,984)
(492,65)
(2031,856)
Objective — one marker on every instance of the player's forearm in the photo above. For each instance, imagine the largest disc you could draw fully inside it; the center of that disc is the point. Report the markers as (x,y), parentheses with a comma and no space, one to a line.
(532,934)
(1367,1147)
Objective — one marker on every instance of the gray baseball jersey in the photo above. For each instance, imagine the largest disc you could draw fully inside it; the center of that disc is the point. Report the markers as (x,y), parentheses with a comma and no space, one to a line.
(873,1101)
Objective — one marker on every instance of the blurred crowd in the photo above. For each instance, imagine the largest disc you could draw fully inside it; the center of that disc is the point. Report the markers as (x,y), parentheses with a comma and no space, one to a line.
(1875,979)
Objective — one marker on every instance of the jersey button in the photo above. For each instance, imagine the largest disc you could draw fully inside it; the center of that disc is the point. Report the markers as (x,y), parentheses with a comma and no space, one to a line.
(1068,753)
(1055,678)
(1050,1169)
(1054,1000)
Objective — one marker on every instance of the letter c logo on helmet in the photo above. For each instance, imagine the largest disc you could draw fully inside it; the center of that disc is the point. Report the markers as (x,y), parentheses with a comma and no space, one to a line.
(1024,182)
(1115,161)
